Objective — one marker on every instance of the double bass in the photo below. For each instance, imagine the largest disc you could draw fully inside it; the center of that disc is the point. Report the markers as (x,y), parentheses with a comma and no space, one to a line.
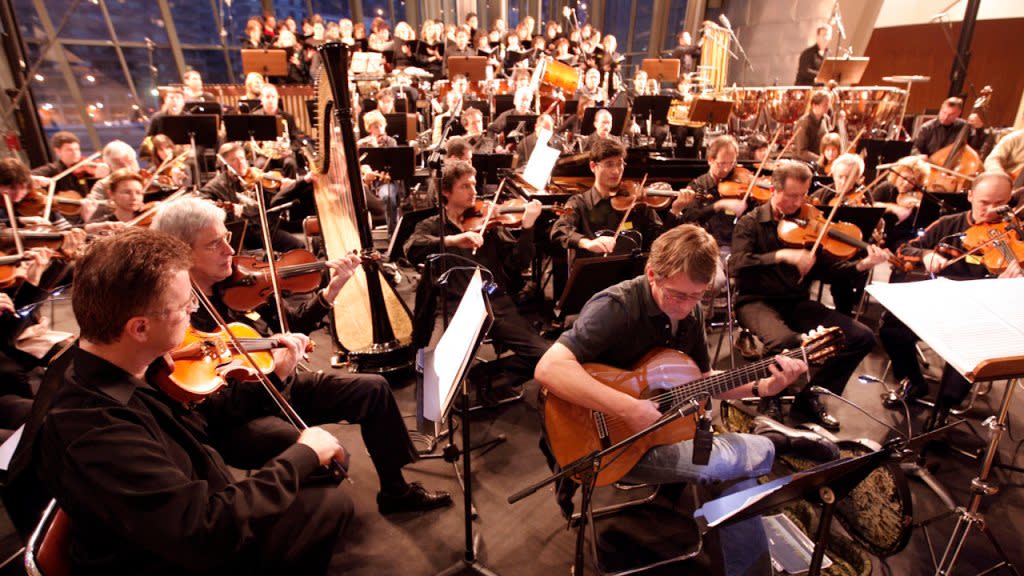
(369,321)
(958,157)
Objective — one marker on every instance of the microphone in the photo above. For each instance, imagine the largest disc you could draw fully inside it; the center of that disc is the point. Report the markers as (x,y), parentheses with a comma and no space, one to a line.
(725,21)
(820,390)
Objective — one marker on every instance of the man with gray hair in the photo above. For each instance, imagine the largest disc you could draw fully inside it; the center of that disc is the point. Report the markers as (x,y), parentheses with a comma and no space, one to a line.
(116,155)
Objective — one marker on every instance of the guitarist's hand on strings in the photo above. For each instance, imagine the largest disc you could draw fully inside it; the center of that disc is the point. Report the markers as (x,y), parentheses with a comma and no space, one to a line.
(639,414)
(784,372)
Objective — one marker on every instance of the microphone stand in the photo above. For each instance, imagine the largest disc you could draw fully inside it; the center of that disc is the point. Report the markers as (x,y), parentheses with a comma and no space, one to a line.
(743,54)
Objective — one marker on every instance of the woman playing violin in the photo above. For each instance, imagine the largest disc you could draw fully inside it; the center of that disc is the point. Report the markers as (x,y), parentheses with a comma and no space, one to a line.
(164,150)
(900,194)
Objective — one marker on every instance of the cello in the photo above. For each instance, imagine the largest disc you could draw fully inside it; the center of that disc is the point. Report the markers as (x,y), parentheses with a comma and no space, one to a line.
(958,157)
(370,322)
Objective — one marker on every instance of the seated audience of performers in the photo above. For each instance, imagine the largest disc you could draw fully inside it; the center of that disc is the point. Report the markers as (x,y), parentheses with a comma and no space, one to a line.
(810,129)
(170,489)
(900,194)
(715,213)
(660,309)
(473,122)
(773,298)
(941,131)
(813,57)
(69,152)
(496,249)
(602,129)
(174,105)
(319,398)
(236,185)
(116,155)
(591,212)
(124,197)
(990,191)
(545,126)
(1008,156)
(193,90)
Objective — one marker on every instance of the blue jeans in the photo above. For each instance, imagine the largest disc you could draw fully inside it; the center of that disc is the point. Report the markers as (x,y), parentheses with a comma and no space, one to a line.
(741,457)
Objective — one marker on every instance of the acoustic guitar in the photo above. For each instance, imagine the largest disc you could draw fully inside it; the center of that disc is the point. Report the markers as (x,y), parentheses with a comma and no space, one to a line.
(671,379)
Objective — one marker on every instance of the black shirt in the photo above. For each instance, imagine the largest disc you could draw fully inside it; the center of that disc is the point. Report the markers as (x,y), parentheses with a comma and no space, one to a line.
(145,489)
(807,142)
(809,65)
(622,323)
(79,184)
(758,275)
(946,230)
(719,224)
(934,136)
(589,213)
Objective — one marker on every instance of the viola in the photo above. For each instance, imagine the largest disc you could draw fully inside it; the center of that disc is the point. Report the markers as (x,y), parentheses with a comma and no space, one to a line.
(737,184)
(204,362)
(998,243)
(842,240)
(658,195)
(508,214)
(298,272)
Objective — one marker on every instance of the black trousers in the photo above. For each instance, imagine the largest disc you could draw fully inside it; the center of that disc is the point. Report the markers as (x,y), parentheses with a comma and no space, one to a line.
(363,399)
(779,324)
(899,342)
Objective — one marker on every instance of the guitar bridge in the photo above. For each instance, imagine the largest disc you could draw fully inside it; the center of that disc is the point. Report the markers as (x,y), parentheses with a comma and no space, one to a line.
(602,428)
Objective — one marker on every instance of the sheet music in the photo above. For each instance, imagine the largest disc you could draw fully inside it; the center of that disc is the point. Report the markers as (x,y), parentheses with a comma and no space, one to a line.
(965,322)
(540,165)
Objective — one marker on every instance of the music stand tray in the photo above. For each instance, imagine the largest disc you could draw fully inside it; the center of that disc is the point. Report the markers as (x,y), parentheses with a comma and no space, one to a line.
(180,129)
(654,106)
(529,121)
(845,71)
(203,108)
(490,165)
(474,68)
(618,120)
(589,276)
(245,127)
(398,161)
(710,110)
(661,69)
(266,61)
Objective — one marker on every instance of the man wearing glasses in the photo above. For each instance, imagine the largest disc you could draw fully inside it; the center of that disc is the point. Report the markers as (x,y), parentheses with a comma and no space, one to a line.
(589,213)
(660,309)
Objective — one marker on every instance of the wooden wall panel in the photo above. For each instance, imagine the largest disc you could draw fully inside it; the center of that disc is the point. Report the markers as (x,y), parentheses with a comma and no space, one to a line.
(996,60)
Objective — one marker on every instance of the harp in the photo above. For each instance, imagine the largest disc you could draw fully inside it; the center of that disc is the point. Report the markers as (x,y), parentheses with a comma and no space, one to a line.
(369,322)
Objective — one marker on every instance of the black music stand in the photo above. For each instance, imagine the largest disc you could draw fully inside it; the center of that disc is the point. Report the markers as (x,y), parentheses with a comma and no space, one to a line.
(406,226)
(474,68)
(877,152)
(488,167)
(661,69)
(951,202)
(710,110)
(267,61)
(529,122)
(480,105)
(653,107)
(846,71)
(398,161)
(197,130)
(590,275)
(203,108)
(248,105)
(864,217)
(503,102)
(618,120)
(401,127)
(571,107)
(248,127)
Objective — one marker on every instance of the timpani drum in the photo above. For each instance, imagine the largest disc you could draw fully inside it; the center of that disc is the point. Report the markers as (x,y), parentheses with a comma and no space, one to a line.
(870,106)
(746,102)
(561,76)
(786,104)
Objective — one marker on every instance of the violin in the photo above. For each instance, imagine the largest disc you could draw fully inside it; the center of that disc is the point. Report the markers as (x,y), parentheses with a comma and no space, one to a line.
(91,170)
(66,202)
(857,198)
(204,362)
(842,240)
(508,214)
(271,179)
(658,195)
(298,272)
(33,239)
(998,242)
(9,269)
(736,186)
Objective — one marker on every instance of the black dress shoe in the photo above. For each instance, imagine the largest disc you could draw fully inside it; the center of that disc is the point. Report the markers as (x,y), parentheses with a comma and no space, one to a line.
(812,406)
(771,408)
(416,499)
(792,441)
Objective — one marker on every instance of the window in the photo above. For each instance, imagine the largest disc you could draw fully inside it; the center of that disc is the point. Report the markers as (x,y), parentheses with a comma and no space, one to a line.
(333,9)
(676,22)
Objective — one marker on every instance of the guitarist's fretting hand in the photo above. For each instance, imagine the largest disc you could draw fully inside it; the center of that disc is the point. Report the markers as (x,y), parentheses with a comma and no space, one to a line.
(784,372)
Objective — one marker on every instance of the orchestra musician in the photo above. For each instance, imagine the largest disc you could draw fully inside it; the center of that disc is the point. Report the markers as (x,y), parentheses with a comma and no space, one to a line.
(270,101)
(473,123)
(319,398)
(164,150)
(686,52)
(170,488)
(603,122)
(254,82)
(193,90)
(1008,156)
(829,149)
(390,193)
(522,101)
(900,194)
(69,152)
(980,137)
(941,131)
(174,105)
(125,196)
(116,155)
(661,308)
(990,191)
(813,57)
(545,126)
(811,128)
(505,256)
(773,299)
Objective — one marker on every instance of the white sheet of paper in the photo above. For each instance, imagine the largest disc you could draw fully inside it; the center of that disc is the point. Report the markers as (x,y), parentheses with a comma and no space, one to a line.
(538,168)
(443,366)
(965,322)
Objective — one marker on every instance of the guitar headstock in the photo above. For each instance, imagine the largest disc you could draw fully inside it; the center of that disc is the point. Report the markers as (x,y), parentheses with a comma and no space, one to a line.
(822,343)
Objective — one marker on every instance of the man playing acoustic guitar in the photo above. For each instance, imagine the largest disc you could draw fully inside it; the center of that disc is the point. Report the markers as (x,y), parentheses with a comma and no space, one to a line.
(659,309)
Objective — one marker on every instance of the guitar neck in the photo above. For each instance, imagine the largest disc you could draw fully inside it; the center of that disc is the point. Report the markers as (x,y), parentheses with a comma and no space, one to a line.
(720,383)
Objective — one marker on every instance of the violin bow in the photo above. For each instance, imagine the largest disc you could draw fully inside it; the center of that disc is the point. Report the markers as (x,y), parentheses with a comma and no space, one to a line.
(750,187)
(625,217)
(261,204)
(289,412)
(491,209)
(13,219)
(164,165)
(52,188)
(828,221)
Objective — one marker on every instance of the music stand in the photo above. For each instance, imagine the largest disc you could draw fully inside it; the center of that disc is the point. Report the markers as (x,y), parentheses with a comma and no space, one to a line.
(589,276)
(877,152)
(197,130)
(710,110)
(618,120)
(864,217)
(401,127)
(846,71)
(267,61)
(367,63)
(529,123)
(473,67)
(488,166)
(398,161)
(503,102)
(661,69)
(203,108)
(654,107)
(248,127)
(571,107)
(406,226)
(251,104)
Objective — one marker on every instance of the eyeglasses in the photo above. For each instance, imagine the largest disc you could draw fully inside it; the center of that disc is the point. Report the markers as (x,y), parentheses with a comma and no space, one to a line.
(679,297)
(190,306)
(215,245)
